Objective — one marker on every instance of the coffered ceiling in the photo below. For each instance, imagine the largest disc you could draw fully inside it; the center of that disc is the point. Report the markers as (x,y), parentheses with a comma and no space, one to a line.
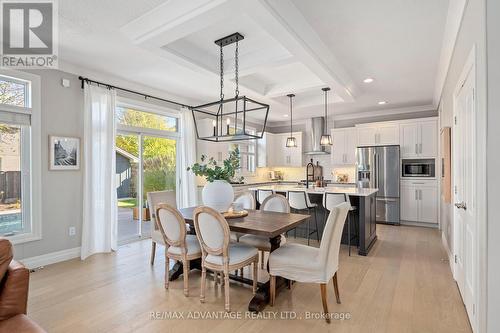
(290,46)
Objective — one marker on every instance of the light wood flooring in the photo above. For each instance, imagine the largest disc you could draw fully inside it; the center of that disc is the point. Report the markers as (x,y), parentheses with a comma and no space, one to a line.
(404,285)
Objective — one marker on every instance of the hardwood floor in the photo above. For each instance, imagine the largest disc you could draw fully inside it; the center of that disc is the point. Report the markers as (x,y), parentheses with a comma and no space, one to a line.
(402,286)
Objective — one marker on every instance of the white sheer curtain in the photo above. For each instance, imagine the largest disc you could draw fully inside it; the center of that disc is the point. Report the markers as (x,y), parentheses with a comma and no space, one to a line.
(99,231)
(186,191)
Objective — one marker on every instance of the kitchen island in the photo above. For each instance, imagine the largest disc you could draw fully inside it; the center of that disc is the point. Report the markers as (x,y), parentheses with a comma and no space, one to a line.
(364,199)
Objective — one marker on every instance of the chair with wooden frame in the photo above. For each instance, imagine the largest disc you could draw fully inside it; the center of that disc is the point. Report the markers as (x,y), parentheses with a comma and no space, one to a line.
(179,246)
(273,203)
(218,254)
(309,264)
(154,199)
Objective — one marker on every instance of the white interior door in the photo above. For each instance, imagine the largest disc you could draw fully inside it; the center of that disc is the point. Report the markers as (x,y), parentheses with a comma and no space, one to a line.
(464,197)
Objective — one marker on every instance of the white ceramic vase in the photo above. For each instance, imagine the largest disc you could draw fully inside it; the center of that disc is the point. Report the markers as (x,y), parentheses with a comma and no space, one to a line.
(218,195)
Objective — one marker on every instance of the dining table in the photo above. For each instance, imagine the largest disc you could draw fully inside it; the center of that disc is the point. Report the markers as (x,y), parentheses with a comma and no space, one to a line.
(257,222)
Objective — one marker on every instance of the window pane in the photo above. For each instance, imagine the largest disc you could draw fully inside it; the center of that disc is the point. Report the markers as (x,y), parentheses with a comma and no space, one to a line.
(127,168)
(136,118)
(11,220)
(12,92)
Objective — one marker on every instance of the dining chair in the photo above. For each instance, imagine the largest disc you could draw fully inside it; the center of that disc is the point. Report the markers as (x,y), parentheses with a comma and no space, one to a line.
(331,200)
(218,254)
(299,200)
(247,201)
(309,264)
(179,246)
(154,199)
(263,194)
(273,203)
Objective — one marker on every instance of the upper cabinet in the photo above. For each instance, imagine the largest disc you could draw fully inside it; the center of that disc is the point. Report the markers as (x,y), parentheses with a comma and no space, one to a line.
(419,139)
(378,134)
(276,152)
(345,142)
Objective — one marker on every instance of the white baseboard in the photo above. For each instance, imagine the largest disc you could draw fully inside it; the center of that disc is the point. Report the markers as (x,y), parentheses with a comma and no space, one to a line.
(51,258)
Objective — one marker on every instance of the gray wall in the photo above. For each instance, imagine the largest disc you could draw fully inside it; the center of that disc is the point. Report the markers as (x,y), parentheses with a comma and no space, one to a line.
(493,162)
(62,114)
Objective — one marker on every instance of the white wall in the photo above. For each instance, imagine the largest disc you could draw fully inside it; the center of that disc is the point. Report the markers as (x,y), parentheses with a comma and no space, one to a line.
(493,163)
(472,32)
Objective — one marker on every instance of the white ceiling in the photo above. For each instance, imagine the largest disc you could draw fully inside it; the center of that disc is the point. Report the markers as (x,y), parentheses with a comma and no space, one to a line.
(290,46)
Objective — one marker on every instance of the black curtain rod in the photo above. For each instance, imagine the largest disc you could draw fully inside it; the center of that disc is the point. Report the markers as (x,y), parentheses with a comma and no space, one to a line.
(109,86)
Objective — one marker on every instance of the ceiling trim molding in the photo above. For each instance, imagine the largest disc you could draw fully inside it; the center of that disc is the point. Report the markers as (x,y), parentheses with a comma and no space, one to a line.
(456,10)
(367,114)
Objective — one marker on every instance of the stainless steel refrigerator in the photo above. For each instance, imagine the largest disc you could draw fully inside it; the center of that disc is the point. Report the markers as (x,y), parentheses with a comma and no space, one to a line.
(379,167)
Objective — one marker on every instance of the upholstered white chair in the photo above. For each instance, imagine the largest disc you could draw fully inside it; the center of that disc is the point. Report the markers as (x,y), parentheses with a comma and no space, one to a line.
(263,194)
(299,200)
(331,200)
(154,199)
(309,264)
(273,203)
(218,254)
(179,245)
(247,201)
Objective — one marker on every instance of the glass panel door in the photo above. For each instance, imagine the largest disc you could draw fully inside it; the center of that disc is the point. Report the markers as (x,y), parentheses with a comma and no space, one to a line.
(159,157)
(128,186)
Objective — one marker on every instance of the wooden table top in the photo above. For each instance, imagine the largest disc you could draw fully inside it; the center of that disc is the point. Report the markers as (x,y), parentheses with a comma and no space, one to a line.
(258,222)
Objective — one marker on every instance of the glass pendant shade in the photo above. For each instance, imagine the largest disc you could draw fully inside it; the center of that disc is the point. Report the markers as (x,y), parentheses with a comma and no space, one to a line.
(326,140)
(291,142)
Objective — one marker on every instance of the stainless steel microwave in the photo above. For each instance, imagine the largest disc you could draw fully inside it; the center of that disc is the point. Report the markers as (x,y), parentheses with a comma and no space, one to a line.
(419,168)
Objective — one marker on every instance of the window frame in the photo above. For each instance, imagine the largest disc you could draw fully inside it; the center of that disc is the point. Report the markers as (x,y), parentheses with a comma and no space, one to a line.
(31,156)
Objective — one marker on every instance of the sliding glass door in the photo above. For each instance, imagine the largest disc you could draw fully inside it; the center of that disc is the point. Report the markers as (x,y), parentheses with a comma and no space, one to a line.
(146,153)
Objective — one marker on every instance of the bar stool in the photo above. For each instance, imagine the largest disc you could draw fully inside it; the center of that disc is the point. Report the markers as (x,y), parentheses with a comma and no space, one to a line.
(263,194)
(299,200)
(330,201)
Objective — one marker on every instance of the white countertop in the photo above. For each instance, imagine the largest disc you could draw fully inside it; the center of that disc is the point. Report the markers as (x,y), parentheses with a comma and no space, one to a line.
(354,191)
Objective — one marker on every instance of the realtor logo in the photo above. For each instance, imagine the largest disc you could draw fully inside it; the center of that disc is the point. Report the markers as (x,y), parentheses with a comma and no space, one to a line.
(29,34)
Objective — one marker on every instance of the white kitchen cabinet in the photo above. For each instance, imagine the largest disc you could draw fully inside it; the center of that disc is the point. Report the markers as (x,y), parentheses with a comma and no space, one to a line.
(428,139)
(409,203)
(419,139)
(378,134)
(276,152)
(345,142)
(419,201)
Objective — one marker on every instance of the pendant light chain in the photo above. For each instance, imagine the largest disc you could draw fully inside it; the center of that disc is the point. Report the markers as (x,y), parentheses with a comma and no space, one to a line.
(221,64)
(326,110)
(291,116)
(236,70)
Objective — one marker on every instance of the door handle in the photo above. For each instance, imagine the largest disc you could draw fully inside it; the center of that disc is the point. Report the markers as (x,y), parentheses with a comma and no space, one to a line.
(420,148)
(416,148)
(461,205)
(416,194)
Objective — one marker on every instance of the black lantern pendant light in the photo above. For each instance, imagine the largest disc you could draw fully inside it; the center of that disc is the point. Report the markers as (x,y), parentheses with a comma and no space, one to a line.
(326,139)
(227,119)
(291,142)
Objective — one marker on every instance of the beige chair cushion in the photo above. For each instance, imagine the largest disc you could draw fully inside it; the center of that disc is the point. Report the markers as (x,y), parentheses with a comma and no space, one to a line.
(297,262)
(260,242)
(237,254)
(192,244)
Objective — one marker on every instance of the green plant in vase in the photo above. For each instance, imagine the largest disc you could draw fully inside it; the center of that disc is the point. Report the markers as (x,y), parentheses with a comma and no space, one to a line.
(218,192)
(212,171)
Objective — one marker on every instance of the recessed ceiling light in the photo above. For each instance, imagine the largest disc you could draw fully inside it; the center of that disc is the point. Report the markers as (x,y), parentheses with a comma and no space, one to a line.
(285,115)
(368,80)
(382,102)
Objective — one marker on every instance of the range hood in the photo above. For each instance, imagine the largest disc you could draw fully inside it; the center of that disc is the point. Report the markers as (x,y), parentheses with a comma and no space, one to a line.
(317,127)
